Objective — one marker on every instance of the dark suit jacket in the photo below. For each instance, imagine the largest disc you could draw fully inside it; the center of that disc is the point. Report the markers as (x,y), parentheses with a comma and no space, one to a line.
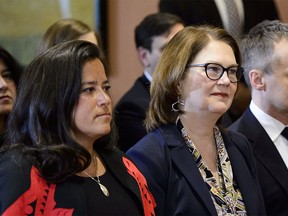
(175,181)
(26,192)
(272,172)
(205,11)
(130,113)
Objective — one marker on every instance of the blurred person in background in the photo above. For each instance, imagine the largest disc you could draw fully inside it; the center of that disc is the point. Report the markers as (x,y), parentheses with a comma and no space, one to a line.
(65,30)
(10,71)
(151,36)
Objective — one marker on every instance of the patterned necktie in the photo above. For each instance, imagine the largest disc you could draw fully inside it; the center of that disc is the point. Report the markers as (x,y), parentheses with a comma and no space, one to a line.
(285,133)
(234,23)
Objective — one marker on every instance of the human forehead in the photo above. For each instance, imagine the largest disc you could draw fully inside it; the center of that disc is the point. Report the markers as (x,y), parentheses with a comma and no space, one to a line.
(281,50)
(216,51)
(93,70)
(2,64)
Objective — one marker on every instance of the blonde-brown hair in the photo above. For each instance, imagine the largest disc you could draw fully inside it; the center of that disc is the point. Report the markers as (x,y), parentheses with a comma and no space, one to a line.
(172,67)
(62,31)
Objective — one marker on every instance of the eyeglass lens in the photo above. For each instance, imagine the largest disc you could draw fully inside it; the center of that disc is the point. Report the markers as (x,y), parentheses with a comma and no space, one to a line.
(215,71)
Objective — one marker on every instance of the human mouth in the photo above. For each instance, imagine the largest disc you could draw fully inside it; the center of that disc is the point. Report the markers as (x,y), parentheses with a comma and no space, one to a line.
(5,98)
(220,94)
(104,115)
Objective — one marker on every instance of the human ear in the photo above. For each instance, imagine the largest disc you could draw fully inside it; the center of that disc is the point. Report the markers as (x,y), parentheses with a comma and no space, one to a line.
(179,88)
(257,79)
(143,56)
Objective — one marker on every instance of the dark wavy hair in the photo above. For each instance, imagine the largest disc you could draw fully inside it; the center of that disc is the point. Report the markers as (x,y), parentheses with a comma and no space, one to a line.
(12,64)
(15,69)
(154,25)
(42,119)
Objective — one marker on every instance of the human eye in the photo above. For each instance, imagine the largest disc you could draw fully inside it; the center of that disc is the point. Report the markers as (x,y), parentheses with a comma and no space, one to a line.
(214,69)
(106,87)
(233,70)
(88,89)
(7,75)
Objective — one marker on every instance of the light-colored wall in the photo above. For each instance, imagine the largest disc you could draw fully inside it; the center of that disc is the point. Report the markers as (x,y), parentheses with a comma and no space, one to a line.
(23,22)
(124,15)
(282,6)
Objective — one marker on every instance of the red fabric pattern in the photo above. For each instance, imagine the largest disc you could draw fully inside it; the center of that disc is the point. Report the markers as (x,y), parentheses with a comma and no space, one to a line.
(40,194)
(147,198)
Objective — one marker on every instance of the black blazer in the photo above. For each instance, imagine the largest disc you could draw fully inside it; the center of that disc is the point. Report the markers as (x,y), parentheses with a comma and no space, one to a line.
(175,181)
(130,113)
(205,11)
(272,172)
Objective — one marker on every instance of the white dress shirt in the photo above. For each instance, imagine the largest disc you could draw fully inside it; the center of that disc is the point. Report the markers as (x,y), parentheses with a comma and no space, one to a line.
(147,75)
(273,128)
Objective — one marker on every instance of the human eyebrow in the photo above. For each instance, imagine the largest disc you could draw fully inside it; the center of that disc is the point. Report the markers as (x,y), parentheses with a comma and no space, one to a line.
(88,83)
(106,82)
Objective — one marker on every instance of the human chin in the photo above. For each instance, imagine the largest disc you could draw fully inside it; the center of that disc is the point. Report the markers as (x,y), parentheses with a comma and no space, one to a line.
(219,107)
(105,127)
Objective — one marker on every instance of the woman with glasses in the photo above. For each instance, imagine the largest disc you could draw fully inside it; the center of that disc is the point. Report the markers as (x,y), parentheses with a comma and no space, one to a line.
(192,165)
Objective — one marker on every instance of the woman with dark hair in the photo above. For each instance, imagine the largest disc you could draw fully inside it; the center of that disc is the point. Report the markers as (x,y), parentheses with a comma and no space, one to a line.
(193,166)
(10,71)
(66,30)
(62,159)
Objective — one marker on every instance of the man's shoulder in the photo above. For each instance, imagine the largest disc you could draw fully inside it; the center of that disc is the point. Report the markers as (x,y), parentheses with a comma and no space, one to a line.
(137,95)
(244,122)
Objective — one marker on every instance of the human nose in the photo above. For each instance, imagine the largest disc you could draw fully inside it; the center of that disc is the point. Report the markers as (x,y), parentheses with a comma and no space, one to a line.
(224,79)
(103,99)
(3,84)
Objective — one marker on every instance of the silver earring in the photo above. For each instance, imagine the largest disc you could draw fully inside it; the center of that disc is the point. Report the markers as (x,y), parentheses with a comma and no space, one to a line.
(175,107)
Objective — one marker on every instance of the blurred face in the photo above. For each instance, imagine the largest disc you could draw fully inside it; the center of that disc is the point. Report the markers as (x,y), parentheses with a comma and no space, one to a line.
(90,36)
(151,58)
(202,95)
(276,84)
(7,90)
(92,114)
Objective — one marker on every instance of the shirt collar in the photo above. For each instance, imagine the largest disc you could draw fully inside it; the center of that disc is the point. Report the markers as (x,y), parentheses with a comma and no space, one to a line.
(147,75)
(272,126)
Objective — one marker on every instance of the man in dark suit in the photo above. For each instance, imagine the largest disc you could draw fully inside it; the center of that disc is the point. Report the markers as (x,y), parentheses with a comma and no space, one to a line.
(265,54)
(251,12)
(195,12)
(151,37)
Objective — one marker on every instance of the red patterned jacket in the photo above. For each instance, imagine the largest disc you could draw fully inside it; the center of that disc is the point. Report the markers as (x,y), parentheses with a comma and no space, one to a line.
(24,192)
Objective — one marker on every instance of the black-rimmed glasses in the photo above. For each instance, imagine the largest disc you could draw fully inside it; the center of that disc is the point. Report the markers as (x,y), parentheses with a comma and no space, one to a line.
(215,71)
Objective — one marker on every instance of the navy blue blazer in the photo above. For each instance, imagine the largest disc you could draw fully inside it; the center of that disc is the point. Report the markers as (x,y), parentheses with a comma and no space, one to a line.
(272,171)
(175,181)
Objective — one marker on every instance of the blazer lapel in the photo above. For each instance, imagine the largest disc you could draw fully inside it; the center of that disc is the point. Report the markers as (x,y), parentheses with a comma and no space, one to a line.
(184,161)
(240,170)
(265,150)
(145,83)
